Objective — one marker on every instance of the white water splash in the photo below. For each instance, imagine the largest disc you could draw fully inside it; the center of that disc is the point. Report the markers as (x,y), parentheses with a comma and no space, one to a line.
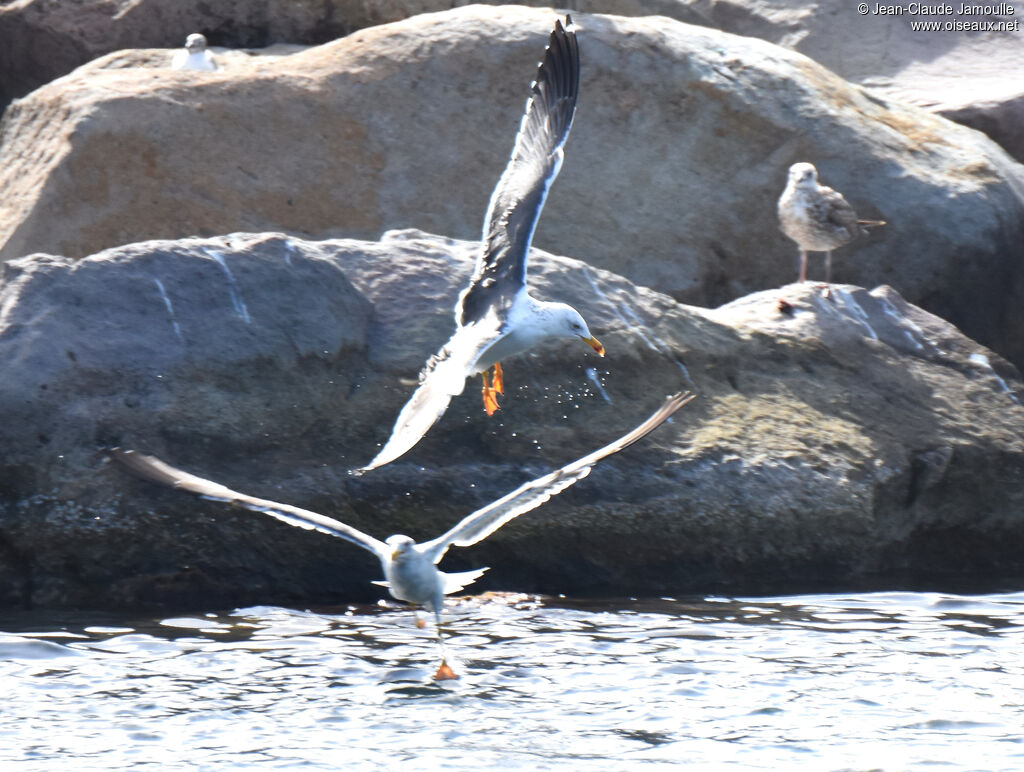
(233,291)
(170,308)
(592,375)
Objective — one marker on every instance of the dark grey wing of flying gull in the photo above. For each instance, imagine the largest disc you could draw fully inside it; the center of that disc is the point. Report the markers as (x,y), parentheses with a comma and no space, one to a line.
(508,227)
(154,469)
(485,521)
(520,193)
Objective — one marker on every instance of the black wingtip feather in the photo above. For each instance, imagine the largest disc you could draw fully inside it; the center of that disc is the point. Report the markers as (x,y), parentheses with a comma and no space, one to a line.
(558,75)
(517,200)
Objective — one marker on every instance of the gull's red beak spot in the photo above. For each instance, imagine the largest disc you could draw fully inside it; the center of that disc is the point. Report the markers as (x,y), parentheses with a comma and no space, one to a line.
(595,344)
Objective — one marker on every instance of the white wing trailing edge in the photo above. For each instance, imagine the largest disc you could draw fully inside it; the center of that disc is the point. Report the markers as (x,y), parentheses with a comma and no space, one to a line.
(443,378)
(154,469)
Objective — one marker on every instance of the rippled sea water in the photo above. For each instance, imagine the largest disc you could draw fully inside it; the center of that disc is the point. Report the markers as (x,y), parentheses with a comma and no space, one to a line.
(885,681)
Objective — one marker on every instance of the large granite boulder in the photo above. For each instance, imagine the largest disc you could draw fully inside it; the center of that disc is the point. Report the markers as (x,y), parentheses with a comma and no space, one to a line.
(961,76)
(678,154)
(41,40)
(836,441)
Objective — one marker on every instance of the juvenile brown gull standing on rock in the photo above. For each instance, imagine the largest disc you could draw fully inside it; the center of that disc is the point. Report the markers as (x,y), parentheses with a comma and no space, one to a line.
(410,568)
(495,317)
(817,217)
(194,56)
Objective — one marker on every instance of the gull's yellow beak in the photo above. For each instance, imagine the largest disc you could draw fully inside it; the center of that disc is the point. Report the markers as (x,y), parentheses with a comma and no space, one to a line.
(595,344)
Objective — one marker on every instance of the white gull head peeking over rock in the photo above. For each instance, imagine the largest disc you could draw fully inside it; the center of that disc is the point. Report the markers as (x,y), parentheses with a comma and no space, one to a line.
(194,56)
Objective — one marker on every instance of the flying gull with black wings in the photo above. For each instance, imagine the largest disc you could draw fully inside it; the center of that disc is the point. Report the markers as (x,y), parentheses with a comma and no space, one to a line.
(495,316)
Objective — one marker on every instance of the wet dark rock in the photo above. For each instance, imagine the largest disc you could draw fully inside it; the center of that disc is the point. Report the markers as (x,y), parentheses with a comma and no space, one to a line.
(847,441)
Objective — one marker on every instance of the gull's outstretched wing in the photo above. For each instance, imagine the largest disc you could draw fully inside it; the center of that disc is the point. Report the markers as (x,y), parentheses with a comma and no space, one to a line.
(443,377)
(487,520)
(519,196)
(154,469)
(508,228)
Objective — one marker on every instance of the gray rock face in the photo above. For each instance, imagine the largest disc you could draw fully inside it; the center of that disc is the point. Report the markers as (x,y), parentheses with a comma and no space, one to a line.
(837,440)
(964,74)
(1000,116)
(678,154)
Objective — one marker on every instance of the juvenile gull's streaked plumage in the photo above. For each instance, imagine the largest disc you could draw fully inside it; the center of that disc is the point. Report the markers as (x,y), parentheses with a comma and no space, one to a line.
(817,217)
(495,316)
(409,568)
(194,56)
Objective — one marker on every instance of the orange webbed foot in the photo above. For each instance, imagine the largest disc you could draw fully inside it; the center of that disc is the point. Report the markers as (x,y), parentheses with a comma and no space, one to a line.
(490,396)
(490,402)
(445,673)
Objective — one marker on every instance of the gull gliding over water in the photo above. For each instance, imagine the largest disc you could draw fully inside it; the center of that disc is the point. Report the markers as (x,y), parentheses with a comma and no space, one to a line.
(409,568)
(817,217)
(495,316)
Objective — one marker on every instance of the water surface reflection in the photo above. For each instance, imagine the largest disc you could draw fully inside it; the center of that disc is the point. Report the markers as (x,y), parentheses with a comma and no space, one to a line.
(871,681)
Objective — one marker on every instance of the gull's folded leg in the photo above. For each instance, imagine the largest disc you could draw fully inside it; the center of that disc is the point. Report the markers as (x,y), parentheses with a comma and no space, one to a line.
(490,400)
(498,382)
(444,670)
